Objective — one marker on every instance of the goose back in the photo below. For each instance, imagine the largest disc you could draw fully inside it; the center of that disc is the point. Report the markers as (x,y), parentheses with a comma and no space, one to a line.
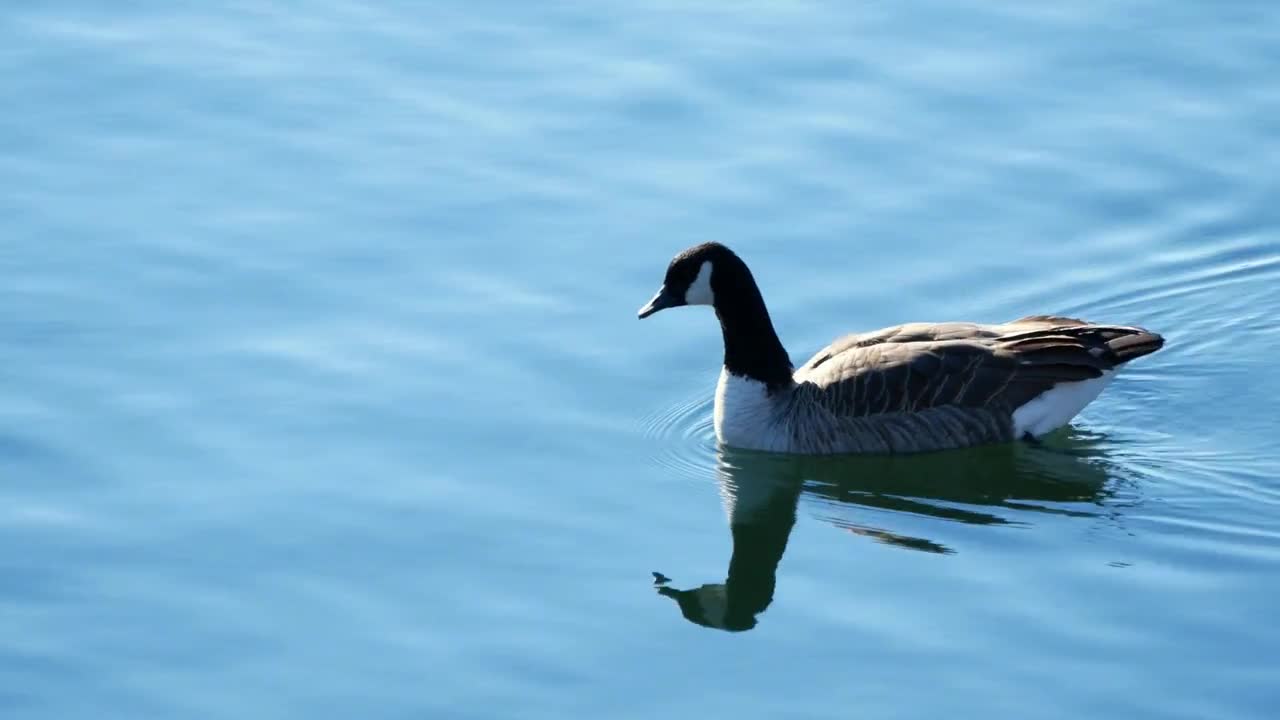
(922,386)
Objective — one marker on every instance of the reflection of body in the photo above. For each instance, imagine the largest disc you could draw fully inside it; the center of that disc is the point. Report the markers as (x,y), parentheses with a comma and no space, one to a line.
(761,493)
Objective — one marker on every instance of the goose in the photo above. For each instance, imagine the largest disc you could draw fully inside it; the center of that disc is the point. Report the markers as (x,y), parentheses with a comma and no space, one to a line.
(910,388)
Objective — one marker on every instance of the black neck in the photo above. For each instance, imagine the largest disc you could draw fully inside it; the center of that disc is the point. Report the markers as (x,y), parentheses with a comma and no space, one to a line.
(751,345)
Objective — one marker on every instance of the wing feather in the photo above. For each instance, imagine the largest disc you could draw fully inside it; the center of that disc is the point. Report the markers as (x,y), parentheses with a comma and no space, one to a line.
(919,366)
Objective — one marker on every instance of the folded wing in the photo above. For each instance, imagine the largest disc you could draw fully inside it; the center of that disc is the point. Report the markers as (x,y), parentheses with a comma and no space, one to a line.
(916,367)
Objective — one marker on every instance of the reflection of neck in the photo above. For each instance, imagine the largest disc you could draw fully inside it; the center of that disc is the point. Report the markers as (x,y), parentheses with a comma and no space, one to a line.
(751,345)
(753,569)
(761,520)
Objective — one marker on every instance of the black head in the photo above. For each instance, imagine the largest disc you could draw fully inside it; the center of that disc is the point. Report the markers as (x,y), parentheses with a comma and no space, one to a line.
(693,276)
(711,274)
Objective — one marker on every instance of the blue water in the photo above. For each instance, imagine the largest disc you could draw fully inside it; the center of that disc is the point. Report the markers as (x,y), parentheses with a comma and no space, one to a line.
(322,393)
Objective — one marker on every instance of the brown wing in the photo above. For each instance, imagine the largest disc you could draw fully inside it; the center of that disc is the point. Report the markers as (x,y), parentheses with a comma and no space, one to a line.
(910,368)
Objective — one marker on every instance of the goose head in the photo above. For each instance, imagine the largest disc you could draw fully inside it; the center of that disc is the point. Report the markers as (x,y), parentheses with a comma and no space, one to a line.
(712,274)
(694,277)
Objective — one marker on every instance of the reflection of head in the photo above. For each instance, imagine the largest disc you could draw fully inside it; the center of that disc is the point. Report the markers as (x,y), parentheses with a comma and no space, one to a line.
(708,606)
(747,592)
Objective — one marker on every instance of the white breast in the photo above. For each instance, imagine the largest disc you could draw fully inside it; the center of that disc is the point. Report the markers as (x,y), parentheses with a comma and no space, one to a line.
(746,417)
(1055,407)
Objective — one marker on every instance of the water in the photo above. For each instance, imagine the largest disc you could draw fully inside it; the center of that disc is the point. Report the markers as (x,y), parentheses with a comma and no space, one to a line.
(322,394)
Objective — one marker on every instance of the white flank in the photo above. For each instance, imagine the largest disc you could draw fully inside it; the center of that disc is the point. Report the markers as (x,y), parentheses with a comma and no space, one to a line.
(1055,407)
(744,415)
(699,292)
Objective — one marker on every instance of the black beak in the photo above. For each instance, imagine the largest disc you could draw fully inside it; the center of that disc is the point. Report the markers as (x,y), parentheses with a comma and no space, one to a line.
(661,301)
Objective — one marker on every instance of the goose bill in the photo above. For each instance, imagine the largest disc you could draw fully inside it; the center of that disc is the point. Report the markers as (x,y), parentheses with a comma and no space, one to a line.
(661,301)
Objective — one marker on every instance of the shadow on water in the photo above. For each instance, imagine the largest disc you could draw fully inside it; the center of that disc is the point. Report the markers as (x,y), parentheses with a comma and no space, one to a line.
(978,486)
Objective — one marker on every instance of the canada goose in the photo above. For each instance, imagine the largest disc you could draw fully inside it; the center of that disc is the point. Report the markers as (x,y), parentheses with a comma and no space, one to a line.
(910,388)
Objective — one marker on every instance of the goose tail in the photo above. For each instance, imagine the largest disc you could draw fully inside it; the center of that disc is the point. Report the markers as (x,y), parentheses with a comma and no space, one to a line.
(1134,345)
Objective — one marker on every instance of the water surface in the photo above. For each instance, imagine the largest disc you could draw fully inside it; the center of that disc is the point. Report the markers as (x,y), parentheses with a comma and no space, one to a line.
(321,392)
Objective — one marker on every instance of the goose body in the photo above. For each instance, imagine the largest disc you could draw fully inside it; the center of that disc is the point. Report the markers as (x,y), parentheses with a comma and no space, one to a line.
(910,388)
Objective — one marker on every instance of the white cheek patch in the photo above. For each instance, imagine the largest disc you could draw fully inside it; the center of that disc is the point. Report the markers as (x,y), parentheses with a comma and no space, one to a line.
(699,292)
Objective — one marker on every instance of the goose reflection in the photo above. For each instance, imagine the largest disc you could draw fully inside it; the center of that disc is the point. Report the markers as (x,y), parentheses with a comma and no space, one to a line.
(761,493)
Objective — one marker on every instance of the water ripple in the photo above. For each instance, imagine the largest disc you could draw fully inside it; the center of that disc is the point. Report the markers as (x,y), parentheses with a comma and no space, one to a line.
(683,437)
